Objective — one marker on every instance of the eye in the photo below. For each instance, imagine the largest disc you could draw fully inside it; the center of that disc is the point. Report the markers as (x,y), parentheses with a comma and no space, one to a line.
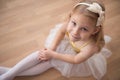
(84,29)
(74,23)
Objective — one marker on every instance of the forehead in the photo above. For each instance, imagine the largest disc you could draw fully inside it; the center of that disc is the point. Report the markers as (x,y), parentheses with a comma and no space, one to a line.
(83,19)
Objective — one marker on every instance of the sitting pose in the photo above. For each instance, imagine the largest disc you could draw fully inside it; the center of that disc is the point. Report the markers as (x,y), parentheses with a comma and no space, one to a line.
(74,47)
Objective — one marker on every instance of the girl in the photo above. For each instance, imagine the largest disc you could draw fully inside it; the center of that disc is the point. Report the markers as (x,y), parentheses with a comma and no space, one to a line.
(75,47)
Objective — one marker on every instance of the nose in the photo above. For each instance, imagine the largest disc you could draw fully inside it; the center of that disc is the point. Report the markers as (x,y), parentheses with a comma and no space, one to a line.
(76,31)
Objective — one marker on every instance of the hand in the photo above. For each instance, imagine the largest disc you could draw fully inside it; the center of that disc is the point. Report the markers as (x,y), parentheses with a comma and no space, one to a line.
(46,54)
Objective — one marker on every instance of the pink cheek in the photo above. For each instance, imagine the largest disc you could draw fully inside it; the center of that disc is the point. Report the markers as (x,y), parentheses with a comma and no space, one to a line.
(69,29)
(83,35)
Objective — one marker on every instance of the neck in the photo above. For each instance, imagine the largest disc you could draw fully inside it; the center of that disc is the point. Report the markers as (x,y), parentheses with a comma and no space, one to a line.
(83,41)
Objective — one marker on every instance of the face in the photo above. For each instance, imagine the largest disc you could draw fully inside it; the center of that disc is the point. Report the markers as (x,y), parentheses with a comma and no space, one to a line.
(80,27)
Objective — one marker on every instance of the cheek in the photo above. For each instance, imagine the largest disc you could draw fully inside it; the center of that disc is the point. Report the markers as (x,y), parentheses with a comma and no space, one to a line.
(85,35)
(69,27)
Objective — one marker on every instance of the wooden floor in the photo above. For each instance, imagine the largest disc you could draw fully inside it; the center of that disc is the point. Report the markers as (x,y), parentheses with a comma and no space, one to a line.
(25,24)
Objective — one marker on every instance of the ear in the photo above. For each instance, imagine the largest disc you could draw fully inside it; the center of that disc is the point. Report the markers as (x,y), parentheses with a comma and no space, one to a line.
(96,30)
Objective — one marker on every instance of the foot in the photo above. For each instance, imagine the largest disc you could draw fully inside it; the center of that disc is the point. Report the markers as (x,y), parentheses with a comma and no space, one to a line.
(2,78)
(3,70)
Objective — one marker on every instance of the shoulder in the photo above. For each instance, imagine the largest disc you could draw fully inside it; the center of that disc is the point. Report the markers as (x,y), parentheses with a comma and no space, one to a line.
(63,27)
(86,53)
(90,49)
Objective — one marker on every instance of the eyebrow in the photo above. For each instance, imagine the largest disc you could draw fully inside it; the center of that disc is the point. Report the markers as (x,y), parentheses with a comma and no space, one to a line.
(85,27)
(82,25)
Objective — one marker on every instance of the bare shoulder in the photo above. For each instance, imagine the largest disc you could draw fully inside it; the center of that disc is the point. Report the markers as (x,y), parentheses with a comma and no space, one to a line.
(86,53)
(63,27)
(90,48)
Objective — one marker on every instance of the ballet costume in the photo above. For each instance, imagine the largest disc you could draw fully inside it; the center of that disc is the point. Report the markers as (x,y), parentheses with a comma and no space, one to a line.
(31,65)
(95,65)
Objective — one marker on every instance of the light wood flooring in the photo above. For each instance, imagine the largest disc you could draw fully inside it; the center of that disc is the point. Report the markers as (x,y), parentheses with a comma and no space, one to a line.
(25,24)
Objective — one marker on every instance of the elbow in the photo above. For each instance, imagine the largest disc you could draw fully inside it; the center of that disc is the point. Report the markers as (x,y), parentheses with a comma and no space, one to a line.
(78,61)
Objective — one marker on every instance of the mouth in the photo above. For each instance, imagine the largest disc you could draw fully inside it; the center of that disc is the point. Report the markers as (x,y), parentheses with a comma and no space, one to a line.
(75,37)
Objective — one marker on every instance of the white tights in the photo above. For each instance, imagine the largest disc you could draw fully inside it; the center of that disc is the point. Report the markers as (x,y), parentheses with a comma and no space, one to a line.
(30,65)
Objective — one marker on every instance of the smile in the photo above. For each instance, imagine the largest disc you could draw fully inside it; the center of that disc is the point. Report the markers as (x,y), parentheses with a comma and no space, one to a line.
(75,37)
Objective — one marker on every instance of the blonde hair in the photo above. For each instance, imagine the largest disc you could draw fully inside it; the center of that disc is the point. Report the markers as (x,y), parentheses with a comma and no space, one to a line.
(99,36)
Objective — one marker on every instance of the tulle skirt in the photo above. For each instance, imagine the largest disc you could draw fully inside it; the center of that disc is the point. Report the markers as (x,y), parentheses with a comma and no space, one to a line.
(95,65)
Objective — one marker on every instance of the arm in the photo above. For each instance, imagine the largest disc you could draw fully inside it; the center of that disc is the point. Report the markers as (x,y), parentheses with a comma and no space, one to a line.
(75,59)
(59,36)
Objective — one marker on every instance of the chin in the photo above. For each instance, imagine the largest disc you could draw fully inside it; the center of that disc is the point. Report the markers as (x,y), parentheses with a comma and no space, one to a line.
(74,39)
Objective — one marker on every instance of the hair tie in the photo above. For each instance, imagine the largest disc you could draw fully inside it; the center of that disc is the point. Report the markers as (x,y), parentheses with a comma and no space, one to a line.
(96,8)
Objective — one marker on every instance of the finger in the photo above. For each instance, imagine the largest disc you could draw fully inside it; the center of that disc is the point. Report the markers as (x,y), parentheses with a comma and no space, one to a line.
(39,58)
(45,48)
(43,58)
(41,55)
(41,51)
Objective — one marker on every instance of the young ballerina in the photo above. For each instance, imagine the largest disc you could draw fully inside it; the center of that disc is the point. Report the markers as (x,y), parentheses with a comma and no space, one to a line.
(75,47)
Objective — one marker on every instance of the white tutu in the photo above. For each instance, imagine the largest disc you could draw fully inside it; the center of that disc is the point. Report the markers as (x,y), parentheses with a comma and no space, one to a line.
(95,65)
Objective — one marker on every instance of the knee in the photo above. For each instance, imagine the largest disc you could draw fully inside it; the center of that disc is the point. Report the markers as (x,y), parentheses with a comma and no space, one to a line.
(35,54)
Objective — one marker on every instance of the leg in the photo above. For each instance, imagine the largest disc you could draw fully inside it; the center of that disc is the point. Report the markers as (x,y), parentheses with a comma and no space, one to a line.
(4,70)
(37,69)
(24,64)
